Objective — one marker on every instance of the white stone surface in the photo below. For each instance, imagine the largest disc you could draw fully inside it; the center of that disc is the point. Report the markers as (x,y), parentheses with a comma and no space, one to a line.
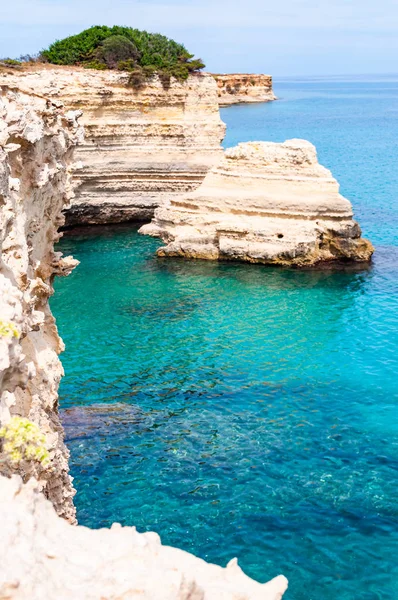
(44,557)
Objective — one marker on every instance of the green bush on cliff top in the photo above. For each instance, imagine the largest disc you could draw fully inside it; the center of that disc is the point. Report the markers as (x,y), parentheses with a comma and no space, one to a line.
(127,49)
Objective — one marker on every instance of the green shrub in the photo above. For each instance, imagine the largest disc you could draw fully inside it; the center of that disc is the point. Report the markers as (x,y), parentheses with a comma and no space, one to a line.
(116,48)
(124,48)
(95,64)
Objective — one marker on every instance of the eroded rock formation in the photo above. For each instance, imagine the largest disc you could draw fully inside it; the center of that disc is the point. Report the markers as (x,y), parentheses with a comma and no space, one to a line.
(36,140)
(140,145)
(264,203)
(234,88)
(42,556)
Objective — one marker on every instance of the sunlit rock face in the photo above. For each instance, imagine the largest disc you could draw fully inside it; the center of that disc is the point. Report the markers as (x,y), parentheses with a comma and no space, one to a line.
(235,88)
(264,203)
(42,556)
(36,141)
(141,146)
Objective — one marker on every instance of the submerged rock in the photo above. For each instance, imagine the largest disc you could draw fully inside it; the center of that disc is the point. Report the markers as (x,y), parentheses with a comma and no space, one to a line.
(264,203)
(42,556)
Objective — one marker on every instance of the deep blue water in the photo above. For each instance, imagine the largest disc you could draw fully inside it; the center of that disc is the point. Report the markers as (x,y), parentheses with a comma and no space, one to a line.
(241,410)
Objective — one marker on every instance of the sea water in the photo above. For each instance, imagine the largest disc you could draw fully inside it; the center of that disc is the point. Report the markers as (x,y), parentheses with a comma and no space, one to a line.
(240,410)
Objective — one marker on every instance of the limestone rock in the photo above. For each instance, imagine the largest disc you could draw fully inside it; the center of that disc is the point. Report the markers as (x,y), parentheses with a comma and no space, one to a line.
(141,146)
(264,203)
(36,142)
(237,88)
(42,556)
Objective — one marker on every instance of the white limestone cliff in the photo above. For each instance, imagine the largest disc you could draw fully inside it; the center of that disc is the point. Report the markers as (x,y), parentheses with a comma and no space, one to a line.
(36,140)
(42,556)
(264,203)
(141,145)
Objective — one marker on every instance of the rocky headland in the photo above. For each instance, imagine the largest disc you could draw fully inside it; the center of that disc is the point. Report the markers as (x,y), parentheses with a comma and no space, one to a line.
(263,203)
(36,142)
(235,88)
(43,555)
(142,146)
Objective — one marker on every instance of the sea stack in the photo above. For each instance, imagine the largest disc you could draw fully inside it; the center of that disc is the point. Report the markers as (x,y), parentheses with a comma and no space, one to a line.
(235,88)
(266,202)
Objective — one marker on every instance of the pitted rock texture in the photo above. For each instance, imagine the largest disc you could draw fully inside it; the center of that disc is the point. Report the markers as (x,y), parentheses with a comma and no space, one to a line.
(36,141)
(235,88)
(140,146)
(42,556)
(264,203)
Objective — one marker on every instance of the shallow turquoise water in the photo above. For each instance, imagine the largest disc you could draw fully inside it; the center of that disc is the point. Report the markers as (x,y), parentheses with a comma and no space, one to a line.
(246,411)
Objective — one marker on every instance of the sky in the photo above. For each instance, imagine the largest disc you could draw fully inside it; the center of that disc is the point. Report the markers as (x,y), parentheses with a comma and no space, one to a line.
(279,37)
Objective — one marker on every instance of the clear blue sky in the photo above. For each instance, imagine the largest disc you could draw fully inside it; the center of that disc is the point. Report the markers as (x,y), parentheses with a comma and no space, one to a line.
(281,37)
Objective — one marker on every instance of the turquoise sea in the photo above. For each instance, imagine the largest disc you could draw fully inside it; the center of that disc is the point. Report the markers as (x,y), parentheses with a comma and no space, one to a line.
(240,410)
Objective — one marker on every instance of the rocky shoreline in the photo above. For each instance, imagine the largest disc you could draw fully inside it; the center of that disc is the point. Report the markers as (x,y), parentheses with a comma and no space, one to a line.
(42,554)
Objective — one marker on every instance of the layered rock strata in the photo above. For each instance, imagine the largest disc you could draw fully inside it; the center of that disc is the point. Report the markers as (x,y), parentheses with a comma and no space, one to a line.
(141,146)
(42,556)
(235,88)
(264,203)
(36,140)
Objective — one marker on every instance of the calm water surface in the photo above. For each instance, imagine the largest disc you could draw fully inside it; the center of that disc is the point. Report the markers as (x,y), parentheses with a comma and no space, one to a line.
(246,411)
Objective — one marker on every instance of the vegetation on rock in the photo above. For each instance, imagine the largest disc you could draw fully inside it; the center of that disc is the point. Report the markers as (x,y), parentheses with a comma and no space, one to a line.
(141,53)
(8,329)
(23,441)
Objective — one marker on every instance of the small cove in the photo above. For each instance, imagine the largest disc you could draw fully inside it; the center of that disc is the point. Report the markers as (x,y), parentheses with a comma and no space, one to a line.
(247,411)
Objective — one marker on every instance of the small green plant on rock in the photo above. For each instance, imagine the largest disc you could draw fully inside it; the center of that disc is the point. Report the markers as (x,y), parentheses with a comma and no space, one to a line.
(23,442)
(8,329)
(10,62)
